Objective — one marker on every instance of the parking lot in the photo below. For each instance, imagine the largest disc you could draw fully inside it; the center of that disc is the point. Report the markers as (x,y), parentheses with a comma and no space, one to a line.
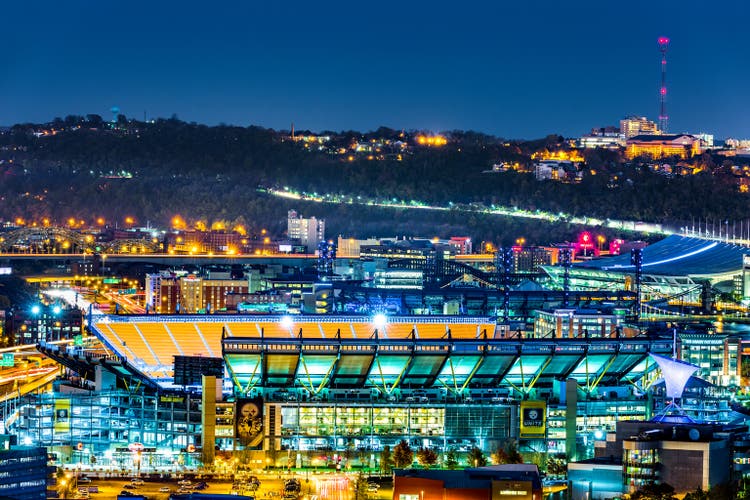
(336,486)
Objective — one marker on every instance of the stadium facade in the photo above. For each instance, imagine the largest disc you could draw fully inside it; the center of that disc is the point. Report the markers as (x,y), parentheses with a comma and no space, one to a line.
(314,390)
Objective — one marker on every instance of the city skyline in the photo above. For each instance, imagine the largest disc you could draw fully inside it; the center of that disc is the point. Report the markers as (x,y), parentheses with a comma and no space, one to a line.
(517,71)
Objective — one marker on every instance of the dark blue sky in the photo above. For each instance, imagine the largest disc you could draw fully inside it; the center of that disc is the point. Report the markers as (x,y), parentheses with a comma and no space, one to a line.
(516,69)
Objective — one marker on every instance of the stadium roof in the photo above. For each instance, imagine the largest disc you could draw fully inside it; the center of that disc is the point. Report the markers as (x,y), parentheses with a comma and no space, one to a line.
(679,256)
(317,352)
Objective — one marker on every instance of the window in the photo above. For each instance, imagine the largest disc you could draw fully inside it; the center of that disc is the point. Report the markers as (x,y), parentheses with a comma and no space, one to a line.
(403,496)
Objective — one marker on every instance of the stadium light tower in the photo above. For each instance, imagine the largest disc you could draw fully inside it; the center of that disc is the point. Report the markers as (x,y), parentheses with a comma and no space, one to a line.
(663,117)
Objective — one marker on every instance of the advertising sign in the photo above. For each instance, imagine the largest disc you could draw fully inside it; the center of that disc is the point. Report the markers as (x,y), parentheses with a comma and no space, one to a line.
(62,415)
(249,422)
(533,419)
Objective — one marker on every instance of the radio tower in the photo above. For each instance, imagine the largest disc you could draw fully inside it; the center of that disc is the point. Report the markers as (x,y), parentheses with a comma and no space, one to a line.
(663,118)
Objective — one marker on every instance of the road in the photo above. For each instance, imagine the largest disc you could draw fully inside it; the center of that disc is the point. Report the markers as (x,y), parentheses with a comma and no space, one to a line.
(329,486)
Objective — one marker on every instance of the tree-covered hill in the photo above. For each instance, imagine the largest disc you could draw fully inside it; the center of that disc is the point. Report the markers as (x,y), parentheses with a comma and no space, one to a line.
(85,168)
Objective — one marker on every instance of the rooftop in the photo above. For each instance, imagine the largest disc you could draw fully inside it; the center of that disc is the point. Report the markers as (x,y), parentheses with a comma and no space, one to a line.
(678,256)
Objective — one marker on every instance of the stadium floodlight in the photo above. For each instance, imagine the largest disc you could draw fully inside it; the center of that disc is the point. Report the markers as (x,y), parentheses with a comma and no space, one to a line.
(380,320)
(676,374)
(35,310)
(56,310)
(286,322)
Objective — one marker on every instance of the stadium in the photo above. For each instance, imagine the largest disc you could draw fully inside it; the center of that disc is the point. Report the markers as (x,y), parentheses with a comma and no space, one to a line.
(675,266)
(320,390)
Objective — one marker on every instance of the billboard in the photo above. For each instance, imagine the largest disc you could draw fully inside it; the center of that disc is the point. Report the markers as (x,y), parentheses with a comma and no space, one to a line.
(62,415)
(249,423)
(533,419)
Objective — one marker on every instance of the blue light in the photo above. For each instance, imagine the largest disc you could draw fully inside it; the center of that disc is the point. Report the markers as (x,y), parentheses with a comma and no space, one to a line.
(56,310)
(670,259)
(36,310)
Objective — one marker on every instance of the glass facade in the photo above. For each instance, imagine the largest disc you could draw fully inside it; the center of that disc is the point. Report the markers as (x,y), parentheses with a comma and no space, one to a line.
(641,467)
(371,427)
(97,428)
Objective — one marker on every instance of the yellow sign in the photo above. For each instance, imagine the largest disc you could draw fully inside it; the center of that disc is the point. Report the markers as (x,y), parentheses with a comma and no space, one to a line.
(533,419)
(62,415)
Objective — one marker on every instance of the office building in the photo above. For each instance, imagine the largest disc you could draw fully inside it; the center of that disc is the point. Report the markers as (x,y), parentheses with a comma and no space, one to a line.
(308,232)
(635,125)
(662,146)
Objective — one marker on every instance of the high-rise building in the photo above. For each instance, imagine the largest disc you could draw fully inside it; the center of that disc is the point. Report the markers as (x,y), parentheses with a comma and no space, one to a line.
(637,125)
(23,471)
(308,232)
(169,294)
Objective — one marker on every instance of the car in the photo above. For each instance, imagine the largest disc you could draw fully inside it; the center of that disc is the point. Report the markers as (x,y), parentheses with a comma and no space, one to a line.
(165,489)
(126,493)
(84,480)
(130,486)
(185,482)
(136,480)
(372,488)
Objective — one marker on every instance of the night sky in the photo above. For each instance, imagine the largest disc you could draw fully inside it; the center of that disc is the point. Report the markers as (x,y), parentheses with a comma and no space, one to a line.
(516,69)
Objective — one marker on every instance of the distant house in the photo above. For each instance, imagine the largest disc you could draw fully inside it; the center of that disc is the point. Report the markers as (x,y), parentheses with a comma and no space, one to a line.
(661,146)
(557,170)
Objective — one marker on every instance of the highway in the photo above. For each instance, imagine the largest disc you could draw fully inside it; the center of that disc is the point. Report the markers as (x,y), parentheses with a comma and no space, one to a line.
(478,208)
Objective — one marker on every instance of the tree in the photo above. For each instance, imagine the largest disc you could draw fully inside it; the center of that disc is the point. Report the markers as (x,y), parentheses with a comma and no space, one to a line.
(427,457)
(662,491)
(386,460)
(476,458)
(451,462)
(360,487)
(557,465)
(403,455)
(507,453)
(698,494)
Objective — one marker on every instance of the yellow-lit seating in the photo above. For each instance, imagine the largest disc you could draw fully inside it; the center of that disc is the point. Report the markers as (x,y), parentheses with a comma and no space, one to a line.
(212,334)
(160,342)
(397,330)
(330,330)
(133,340)
(362,330)
(489,328)
(243,329)
(276,330)
(430,330)
(463,330)
(190,341)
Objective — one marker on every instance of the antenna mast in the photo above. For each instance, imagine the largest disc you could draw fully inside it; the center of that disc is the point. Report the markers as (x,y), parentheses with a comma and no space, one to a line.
(663,118)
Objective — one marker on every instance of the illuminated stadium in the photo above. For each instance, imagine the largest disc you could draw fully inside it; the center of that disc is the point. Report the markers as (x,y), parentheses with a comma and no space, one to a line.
(673,266)
(342,384)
